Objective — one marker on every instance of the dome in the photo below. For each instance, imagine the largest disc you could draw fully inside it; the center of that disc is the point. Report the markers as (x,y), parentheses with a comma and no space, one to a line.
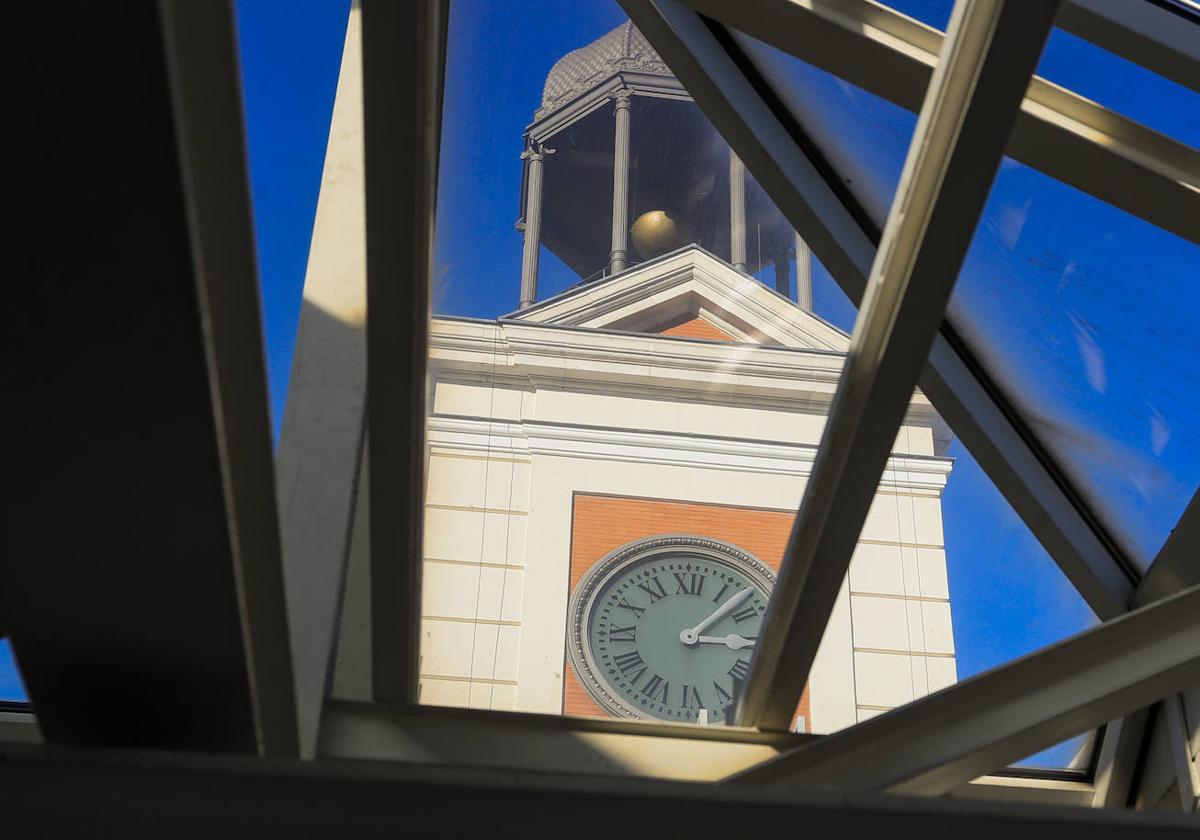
(625,48)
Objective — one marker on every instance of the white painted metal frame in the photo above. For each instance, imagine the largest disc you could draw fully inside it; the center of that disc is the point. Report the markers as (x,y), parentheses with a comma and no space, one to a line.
(1160,37)
(403,64)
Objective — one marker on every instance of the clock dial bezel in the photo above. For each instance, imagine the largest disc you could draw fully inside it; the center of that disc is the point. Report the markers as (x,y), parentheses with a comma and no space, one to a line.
(595,581)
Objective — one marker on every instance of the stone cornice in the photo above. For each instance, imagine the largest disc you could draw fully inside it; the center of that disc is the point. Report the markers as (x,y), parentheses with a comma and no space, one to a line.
(534,356)
(512,437)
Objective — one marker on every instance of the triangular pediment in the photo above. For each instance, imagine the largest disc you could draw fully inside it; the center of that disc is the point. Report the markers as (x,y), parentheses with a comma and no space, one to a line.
(688,293)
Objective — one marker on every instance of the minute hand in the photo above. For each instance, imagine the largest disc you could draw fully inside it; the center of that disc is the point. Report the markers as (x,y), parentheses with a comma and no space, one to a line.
(692,635)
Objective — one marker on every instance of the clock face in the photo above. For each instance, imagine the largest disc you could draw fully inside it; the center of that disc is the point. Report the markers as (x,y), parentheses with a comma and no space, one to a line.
(665,627)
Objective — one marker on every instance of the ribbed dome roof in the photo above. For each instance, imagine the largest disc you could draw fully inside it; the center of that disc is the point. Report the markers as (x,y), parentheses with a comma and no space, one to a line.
(625,48)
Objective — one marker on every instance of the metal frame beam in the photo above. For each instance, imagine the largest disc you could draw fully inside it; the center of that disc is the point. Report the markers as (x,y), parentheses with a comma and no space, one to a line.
(138,795)
(1174,568)
(1177,564)
(1186,778)
(481,738)
(1159,36)
(1058,132)
(403,63)
(202,57)
(145,599)
(843,238)
(1116,765)
(990,52)
(937,743)
(477,738)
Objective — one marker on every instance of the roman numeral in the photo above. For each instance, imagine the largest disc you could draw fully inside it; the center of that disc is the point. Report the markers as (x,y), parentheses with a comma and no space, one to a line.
(717,597)
(692,584)
(691,698)
(723,696)
(629,661)
(637,611)
(654,589)
(744,614)
(657,688)
(740,670)
(622,634)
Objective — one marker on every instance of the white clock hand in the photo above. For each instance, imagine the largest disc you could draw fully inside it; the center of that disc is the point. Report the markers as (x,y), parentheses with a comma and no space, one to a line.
(733,641)
(690,636)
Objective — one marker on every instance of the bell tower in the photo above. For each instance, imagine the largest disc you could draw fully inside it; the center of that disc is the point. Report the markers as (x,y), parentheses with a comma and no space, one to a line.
(622,167)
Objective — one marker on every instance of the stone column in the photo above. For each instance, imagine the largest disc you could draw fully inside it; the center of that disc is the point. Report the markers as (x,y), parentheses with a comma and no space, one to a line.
(803,275)
(618,260)
(737,212)
(532,224)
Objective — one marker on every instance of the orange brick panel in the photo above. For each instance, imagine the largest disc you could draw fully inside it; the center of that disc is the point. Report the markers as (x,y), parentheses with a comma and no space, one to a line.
(698,328)
(600,524)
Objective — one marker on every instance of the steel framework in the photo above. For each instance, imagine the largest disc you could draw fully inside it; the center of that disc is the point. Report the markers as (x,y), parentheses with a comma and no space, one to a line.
(977,99)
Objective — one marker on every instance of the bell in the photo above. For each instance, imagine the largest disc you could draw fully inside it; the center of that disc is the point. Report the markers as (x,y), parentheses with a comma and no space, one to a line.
(659,231)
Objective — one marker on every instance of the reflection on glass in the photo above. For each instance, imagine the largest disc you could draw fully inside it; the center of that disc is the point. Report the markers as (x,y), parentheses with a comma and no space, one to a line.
(1086,315)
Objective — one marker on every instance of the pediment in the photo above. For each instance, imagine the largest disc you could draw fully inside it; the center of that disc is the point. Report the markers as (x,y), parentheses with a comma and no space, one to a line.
(688,293)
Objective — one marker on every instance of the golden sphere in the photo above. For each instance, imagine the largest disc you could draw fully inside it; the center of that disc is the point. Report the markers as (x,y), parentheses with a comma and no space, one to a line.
(658,232)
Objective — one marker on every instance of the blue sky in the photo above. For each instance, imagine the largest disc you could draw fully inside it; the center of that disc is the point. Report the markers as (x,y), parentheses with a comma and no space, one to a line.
(1056,342)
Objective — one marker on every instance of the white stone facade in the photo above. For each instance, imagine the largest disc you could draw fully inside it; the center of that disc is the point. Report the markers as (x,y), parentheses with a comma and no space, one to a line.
(564,398)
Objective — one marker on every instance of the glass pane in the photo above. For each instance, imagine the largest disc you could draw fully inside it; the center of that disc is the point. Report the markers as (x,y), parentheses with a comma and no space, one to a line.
(643,433)
(609,468)
(1086,315)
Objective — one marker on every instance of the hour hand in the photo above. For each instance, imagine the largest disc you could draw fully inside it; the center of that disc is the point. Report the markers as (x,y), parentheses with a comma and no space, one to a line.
(733,640)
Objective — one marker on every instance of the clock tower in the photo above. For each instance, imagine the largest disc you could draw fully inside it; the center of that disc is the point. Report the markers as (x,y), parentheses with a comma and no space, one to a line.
(614,469)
